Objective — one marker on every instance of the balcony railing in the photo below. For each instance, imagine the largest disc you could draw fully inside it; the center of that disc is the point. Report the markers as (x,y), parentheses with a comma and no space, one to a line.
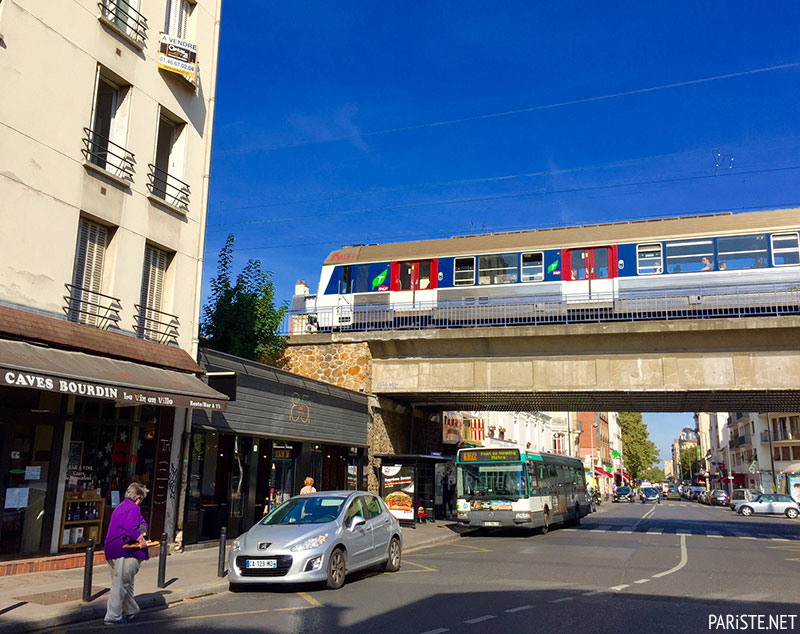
(170,189)
(88,307)
(156,325)
(126,18)
(107,155)
(779,435)
(741,441)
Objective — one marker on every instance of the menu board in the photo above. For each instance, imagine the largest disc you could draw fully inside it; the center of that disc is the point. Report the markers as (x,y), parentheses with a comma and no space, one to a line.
(398,490)
(489,455)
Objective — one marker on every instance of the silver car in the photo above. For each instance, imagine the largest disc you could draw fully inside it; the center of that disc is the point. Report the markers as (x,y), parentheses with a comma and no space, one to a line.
(317,537)
(770,503)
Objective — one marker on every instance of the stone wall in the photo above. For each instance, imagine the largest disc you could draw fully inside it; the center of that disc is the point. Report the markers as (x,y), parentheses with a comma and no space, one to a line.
(348,365)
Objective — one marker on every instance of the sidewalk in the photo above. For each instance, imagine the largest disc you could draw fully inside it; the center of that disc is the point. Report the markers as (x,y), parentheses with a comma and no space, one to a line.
(49,599)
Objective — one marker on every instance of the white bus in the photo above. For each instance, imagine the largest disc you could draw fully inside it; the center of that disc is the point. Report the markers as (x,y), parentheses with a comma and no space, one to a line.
(500,487)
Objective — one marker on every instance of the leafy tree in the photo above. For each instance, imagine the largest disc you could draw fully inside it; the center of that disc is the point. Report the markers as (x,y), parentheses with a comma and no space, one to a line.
(639,452)
(654,474)
(688,462)
(240,318)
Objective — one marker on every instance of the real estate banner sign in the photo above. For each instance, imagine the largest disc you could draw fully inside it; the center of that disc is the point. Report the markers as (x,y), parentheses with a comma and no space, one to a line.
(177,56)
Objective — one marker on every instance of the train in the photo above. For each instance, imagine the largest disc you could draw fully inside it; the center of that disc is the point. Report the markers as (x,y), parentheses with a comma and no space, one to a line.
(656,267)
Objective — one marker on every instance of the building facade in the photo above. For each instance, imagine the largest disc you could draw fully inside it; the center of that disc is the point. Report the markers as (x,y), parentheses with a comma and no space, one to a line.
(106,136)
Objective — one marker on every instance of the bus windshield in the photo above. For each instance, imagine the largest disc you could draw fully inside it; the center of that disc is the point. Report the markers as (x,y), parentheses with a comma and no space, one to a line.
(486,481)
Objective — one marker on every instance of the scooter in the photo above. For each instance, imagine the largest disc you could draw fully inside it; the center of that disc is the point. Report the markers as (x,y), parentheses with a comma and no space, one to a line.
(596,500)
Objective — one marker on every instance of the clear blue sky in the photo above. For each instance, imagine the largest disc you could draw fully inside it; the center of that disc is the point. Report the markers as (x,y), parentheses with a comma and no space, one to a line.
(363,122)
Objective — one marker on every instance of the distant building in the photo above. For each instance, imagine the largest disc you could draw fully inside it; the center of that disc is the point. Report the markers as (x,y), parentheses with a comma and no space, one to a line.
(669,470)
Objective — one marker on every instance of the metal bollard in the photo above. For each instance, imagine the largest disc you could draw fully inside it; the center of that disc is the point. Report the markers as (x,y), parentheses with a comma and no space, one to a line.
(88,568)
(162,561)
(221,565)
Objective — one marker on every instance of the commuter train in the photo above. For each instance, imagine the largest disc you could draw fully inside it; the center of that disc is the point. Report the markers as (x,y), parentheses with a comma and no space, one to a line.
(658,266)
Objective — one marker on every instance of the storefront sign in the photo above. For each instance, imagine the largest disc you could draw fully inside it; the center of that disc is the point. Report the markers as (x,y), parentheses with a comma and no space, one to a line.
(177,56)
(398,490)
(489,455)
(120,394)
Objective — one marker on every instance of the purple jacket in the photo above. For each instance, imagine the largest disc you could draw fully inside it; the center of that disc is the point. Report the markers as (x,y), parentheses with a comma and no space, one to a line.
(125,527)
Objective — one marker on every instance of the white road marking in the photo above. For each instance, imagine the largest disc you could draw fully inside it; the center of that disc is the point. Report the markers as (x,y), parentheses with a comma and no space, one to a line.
(642,581)
(713,534)
(625,532)
(520,608)
(620,587)
(569,529)
(644,517)
(655,531)
(681,564)
(485,617)
(562,599)
(437,631)
(779,539)
(589,594)
(683,533)
(745,537)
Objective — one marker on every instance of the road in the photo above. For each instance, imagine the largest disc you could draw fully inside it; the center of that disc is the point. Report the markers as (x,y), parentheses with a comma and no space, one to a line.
(627,568)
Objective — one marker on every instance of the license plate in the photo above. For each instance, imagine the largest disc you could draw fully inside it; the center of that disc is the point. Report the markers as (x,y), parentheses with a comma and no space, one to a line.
(491,523)
(261,563)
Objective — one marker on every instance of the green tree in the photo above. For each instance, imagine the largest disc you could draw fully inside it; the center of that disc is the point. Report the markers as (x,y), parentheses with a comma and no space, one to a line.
(654,474)
(241,318)
(688,462)
(638,451)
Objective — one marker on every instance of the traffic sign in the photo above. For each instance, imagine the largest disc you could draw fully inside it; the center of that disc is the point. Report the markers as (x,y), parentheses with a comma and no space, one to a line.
(753,466)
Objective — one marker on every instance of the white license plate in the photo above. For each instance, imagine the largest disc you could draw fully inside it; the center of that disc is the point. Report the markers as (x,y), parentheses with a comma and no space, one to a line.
(261,563)
(491,523)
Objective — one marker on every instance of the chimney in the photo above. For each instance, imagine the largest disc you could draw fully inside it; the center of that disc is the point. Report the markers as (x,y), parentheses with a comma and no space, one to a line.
(301,288)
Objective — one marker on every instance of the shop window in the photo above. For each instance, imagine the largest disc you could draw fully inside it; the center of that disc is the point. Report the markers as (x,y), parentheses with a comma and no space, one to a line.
(785,249)
(742,252)
(464,272)
(690,256)
(532,267)
(497,269)
(649,259)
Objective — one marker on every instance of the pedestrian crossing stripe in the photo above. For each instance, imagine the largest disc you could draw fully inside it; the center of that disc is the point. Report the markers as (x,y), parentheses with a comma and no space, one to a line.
(623,530)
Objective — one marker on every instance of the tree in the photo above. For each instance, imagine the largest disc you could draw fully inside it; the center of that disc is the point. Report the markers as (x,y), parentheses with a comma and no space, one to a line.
(241,318)
(639,452)
(654,474)
(688,462)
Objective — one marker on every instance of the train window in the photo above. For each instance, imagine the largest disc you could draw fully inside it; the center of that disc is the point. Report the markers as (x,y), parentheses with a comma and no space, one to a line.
(690,256)
(414,275)
(464,272)
(361,276)
(742,252)
(498,269)
(346,284)
(532,267)
(649,259)
(785,249)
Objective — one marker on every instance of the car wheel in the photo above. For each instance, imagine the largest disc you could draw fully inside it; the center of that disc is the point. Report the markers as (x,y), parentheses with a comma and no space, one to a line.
(546,522)
(395,556)
(337,569)
(746,511)
(791,513)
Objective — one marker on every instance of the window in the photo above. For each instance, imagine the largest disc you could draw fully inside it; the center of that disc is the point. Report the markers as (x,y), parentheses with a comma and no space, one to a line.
(152,323)
(178,12)
(373,506)
(414,275)
(532,267)
(124,14)
(355,508)
(742,252)
(345,285)
(497,269)
(104,144)
(464,272)
(167,170)
(691,256)
(785,249)
(87,277)
(796,452)
(649,259)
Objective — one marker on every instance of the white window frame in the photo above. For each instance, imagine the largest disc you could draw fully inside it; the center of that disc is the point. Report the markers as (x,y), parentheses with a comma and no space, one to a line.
(178,14)
(474,272)
(651,246)
(537,278)
(492,274)
(783,234)
(118,128)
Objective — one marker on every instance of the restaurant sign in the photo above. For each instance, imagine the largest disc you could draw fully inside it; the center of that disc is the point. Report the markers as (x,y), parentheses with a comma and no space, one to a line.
(177,56)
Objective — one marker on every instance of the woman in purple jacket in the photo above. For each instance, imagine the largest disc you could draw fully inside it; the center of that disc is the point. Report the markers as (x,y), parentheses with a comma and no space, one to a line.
(127,526)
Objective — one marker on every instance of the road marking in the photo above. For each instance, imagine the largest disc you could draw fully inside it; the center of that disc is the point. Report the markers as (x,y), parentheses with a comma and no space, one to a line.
(655,531)
(437,631)
(684,559)
(745,537)
(625,532)
(310,599)
(569,529)
(683,533)
(562,599)
(642,581)
(643,518)
(485,617)
(620,587)
(713,534)
(589,594)
(520,608)
(779,539)
(413,563)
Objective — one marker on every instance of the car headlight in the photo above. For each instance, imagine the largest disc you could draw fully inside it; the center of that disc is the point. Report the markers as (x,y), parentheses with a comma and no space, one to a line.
(236,545)
(311,542)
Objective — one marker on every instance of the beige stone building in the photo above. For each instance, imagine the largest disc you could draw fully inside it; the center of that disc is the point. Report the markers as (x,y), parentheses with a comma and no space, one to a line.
(105,128)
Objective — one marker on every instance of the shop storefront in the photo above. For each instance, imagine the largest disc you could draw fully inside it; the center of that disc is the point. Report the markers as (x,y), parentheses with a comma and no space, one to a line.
(75,430)
(278,429)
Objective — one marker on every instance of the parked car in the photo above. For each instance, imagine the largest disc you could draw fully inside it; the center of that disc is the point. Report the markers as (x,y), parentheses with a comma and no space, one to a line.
(718,497)
(694,492)
(317,537)
(673,493)
(702,496)
(742,495)
(770,503)
(650,494)
(623,494)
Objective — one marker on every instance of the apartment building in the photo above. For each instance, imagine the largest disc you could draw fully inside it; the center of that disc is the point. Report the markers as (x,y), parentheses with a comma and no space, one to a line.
(105,124)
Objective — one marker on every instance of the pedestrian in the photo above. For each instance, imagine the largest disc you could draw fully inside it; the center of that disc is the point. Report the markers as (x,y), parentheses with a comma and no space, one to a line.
(125,549)
(309,487)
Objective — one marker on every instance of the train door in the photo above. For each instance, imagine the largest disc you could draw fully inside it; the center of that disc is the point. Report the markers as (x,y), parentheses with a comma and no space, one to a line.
(590,274)
(414,281)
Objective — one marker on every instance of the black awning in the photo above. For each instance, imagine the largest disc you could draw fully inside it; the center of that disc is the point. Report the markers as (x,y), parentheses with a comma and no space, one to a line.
(80,374)
(408,458)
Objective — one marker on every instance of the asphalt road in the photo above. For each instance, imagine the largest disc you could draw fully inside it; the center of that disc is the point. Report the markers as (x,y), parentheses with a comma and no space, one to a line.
(628,568)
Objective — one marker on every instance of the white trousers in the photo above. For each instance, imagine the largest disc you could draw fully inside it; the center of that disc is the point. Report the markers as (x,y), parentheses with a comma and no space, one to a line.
(120,598)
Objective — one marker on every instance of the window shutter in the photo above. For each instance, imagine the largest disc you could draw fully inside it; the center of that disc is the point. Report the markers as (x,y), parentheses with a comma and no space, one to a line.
(155,266)
(177,18)
(88,276)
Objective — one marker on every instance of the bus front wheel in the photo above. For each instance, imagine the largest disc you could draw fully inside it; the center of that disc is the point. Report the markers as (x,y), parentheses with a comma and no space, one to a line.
(545,522)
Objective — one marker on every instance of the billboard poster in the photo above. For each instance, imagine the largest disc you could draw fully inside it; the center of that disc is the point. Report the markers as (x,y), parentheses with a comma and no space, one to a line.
(794,487)
(452,427)
(398,490)
(177,56)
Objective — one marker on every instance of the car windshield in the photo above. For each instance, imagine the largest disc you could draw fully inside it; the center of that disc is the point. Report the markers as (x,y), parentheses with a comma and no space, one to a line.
(650,491)
(623,491)
(306,510)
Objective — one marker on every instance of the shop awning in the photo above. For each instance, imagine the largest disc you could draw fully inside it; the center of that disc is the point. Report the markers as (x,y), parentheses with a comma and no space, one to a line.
(626,477)
(601,471)
(80,374)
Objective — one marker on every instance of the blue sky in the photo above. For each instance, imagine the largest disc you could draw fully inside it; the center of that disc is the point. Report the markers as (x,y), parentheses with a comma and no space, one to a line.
(360,122)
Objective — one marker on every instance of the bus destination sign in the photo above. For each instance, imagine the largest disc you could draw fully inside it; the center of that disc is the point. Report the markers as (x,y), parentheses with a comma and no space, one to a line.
(489,455)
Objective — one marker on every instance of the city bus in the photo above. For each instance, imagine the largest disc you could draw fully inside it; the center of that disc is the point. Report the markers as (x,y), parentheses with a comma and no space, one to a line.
(506,487)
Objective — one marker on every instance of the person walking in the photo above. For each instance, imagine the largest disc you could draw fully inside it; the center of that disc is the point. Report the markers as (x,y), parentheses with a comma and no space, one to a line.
(309,487)
(127,527)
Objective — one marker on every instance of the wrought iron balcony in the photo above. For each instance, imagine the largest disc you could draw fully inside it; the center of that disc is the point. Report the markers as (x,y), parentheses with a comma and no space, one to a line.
(85,306)
(107,155)
(744,440)
(156,325)
(778,436)
(126,18)
(170,189)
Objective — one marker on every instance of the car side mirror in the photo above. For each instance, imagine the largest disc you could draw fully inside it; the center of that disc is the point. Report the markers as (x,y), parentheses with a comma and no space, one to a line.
(356,522)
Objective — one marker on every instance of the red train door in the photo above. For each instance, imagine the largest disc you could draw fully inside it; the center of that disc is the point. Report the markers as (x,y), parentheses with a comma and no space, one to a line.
(590,273)
(417,276)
